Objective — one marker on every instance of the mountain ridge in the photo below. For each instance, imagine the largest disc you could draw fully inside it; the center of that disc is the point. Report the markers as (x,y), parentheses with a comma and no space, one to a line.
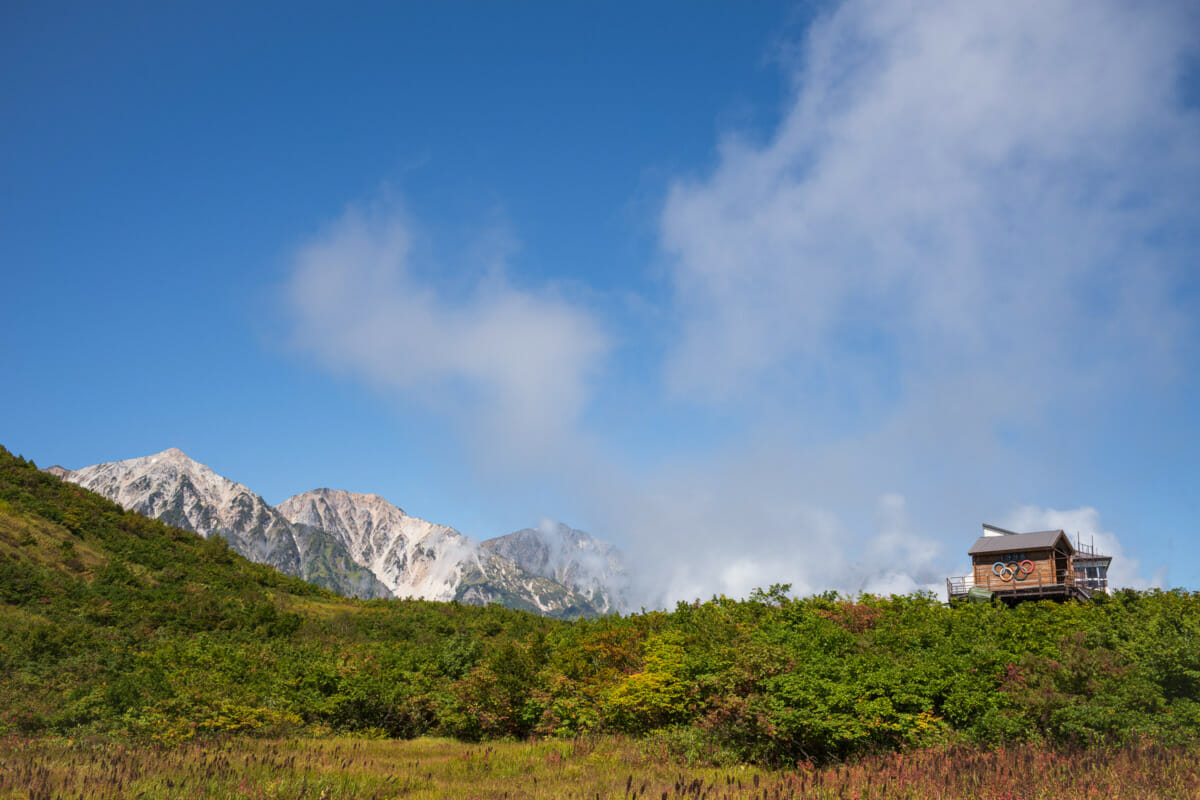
(402,551)
(363,545)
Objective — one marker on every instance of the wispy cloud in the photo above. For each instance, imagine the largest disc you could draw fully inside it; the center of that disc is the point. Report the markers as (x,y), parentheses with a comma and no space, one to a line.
(748,526)
(950,183)
(506,363)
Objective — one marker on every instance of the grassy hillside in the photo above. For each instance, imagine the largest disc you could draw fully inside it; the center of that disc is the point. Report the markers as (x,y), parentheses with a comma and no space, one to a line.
(112,623)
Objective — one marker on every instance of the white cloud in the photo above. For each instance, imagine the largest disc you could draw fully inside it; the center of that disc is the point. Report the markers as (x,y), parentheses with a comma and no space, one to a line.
(897,560)
(960,181)
(1083,524)
(724,526)
(751,519)
(506,362)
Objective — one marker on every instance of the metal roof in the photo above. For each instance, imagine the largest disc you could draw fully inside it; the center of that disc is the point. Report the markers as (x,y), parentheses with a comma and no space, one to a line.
(1042,540)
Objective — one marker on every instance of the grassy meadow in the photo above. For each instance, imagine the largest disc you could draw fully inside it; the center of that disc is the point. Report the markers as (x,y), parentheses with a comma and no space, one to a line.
(606,767)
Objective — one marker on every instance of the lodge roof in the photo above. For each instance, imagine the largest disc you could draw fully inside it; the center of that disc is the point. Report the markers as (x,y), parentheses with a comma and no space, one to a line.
(1041,540)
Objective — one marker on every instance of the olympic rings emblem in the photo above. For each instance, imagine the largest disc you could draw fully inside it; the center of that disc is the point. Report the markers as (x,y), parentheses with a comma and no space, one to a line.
(1011,570)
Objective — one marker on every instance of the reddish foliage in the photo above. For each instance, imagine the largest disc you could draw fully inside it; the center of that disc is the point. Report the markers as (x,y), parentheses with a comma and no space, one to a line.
(854,617)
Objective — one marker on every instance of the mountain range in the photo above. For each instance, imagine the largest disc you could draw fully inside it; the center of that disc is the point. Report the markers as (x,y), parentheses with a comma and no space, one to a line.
(363,546)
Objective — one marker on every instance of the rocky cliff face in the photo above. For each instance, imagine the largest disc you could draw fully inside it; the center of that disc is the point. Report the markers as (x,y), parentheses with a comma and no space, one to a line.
(415,558)
(179,491)
(588,566)
(410,556)
(361,545)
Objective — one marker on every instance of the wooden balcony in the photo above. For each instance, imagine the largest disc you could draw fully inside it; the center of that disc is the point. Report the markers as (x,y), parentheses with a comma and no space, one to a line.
(1063,586)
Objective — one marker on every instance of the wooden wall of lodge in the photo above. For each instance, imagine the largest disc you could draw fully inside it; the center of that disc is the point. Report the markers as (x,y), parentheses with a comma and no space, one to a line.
(1043,573)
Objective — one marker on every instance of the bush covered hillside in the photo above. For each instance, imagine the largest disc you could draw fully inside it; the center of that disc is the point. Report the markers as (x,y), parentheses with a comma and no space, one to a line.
(114,623)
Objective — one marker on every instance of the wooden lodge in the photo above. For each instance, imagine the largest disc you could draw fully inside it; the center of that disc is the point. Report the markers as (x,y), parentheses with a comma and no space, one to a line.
(1044,565)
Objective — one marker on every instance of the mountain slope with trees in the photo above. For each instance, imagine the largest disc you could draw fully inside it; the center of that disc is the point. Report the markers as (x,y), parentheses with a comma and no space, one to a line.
(117,624)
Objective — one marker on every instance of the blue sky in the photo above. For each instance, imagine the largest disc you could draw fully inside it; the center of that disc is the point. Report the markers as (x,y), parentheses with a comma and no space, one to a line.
(763,292)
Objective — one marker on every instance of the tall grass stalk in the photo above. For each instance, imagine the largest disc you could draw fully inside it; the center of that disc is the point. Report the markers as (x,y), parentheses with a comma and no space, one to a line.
(423,769)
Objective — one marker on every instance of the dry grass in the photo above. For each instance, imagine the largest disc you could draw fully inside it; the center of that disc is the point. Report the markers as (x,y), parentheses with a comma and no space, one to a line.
(424,769)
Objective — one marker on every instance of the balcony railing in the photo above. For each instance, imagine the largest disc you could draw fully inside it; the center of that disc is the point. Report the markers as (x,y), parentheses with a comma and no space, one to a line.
(1095,584)
(1063,583)
(956,588)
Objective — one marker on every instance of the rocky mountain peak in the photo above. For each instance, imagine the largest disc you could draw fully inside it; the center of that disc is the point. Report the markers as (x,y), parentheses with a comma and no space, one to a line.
(360,544)
(410,556)
(187,494)
(173,487)
(571,557)
(342,499)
